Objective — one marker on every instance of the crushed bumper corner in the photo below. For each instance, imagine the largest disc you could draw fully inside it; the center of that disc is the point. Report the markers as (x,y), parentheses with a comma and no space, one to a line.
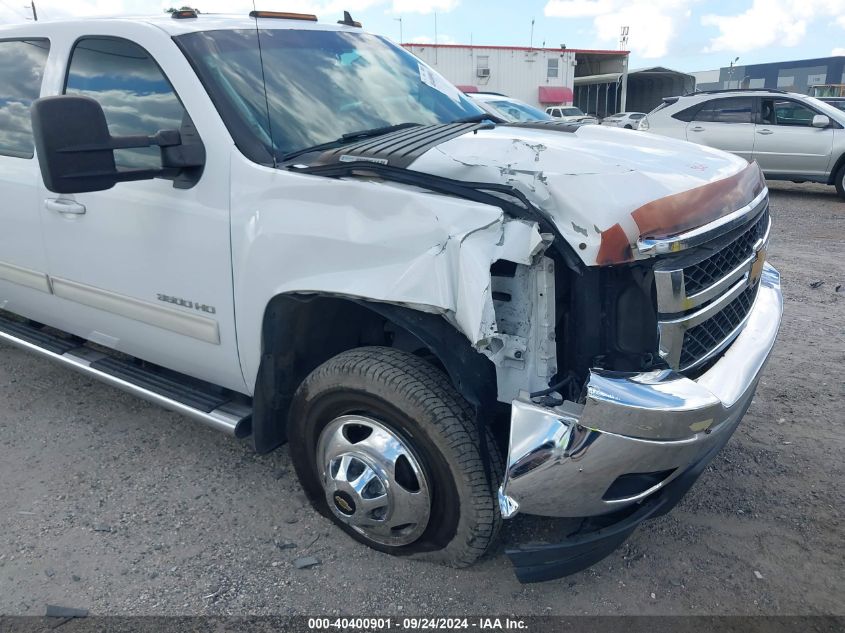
(632,450)
(584,548)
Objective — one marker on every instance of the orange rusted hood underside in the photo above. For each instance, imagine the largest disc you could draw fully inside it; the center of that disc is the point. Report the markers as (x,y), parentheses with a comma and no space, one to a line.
(681,212)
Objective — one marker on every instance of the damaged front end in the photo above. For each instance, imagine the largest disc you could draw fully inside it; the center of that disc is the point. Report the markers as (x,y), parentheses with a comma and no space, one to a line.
(632,449)
(628,332)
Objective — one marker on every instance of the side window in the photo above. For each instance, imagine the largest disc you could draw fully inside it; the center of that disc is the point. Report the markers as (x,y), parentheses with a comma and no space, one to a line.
(730,110)
(552,68)
(21,70)
(688,114)
(787,112)
(135,95)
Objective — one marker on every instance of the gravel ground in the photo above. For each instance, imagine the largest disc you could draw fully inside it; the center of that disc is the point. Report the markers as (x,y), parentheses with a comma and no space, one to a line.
(119,507)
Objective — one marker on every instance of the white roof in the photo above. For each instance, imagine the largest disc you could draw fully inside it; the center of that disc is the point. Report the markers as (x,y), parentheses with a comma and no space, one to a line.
(172,26)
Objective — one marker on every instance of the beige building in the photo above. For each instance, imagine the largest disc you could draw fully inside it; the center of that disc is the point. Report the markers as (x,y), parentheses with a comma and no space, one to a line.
(538,76)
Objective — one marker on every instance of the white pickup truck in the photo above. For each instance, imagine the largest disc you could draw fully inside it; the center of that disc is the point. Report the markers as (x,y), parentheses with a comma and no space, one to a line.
(299,232)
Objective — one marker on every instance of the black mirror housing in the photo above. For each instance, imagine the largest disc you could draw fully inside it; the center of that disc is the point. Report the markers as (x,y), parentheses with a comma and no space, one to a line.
(66,131)
(76,150)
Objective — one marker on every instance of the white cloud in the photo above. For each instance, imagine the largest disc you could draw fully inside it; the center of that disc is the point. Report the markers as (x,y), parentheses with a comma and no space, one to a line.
(769,22)
(837,51)
(653,24)
(577,8)
(413,6)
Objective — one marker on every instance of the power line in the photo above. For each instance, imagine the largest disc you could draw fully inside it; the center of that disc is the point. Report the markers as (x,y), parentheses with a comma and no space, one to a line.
(15,9)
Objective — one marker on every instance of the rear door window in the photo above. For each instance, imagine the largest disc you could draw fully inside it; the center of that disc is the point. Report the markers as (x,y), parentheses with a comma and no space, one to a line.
(728,110)
(21,71)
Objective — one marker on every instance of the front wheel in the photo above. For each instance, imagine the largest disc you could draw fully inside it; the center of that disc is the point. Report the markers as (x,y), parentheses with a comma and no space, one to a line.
(840,181)
(385,447)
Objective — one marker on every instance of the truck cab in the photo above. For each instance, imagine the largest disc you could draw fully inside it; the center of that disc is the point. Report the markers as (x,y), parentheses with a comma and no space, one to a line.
(296,231)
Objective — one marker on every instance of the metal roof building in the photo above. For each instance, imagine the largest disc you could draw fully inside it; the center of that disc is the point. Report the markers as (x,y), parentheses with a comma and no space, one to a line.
(794,76)
(639,90)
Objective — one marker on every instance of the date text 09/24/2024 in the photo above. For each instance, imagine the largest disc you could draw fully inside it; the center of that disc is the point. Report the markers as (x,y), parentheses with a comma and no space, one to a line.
(417,623)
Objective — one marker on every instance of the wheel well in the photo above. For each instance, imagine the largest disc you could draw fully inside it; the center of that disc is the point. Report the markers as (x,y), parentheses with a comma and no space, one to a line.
(300,332)
(839,162)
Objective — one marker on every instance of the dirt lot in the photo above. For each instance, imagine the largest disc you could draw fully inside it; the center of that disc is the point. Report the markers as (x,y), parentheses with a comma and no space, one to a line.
(119,507)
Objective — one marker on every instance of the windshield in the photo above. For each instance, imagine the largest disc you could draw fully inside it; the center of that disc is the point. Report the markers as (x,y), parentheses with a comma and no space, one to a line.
(320,86)
(572,111)
(827,108)
(514,111)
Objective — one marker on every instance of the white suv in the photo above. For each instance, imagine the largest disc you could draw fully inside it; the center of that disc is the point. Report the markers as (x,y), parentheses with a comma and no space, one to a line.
(791,136)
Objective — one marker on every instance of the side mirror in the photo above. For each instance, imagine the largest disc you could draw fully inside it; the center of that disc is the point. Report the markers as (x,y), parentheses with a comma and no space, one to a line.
(76,150)
(821,120)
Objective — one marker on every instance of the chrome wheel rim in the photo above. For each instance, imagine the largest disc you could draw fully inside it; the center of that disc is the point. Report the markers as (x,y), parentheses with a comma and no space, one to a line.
(373,481)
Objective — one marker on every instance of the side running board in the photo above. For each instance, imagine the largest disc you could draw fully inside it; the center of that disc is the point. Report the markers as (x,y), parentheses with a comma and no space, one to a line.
(217,407)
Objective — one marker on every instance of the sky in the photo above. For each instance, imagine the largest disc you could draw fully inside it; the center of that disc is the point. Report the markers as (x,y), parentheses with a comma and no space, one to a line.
(687,35)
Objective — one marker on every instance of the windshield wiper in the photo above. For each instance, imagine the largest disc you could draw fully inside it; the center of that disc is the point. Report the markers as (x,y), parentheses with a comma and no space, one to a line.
(348,137)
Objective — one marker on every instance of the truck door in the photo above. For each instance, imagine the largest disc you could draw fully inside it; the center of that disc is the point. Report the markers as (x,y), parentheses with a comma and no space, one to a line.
(786,142)
(24,287)
(145,267)
(726,124)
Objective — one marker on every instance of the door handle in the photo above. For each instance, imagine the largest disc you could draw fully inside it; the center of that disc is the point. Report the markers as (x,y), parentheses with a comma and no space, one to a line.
(697,128)
(764,131)
(62,205)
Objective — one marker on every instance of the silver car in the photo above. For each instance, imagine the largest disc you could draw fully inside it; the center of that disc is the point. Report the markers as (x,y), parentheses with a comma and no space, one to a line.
(791,136)
(507,108)
(627,120)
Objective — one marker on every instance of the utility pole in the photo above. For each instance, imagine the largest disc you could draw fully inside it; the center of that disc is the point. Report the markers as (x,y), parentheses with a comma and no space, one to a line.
(435,38)
(401,38)
(531,44)
(623,39)
(731,72)
(34,12)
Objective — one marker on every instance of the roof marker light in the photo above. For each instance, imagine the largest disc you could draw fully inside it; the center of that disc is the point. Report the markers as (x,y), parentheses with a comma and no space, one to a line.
(183,14)
(281,15)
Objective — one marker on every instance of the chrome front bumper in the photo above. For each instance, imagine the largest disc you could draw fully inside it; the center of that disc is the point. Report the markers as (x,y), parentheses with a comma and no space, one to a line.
(636,433)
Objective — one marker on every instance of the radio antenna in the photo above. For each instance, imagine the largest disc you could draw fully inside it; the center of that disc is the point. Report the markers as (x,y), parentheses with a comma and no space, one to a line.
(264,84)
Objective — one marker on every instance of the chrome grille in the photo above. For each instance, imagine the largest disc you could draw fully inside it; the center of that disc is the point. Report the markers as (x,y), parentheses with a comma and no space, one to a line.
(701,340)
(704,295)
(706,273)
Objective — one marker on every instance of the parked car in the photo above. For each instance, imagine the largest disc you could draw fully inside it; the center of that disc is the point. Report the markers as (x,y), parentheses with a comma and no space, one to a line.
(570,114)
(507,108)
(791,136)
(627,120)
(329,245)
(836,102)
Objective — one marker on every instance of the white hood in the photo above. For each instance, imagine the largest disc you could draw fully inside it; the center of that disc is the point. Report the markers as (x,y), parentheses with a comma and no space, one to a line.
(587,181)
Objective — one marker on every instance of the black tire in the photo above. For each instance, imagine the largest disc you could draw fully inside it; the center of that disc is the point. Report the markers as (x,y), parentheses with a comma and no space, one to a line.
(416,401)
(840,181)
(629,127)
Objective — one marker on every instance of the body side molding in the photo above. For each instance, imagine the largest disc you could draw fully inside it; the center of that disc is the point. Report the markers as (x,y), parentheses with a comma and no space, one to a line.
(193,325)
